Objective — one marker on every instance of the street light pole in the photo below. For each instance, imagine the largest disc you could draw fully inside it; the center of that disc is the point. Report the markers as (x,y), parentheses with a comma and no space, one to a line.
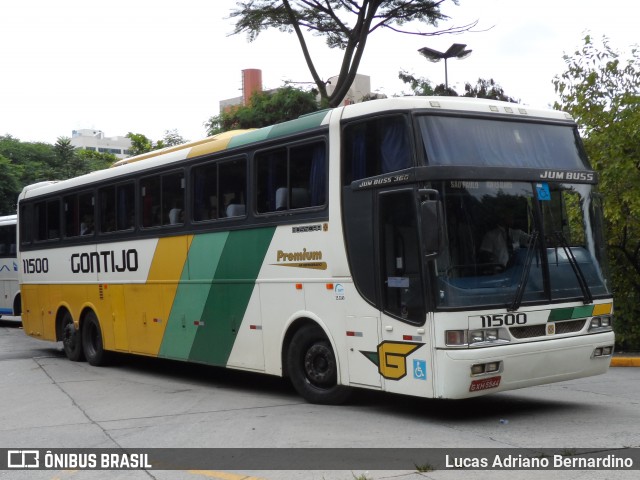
(457,50)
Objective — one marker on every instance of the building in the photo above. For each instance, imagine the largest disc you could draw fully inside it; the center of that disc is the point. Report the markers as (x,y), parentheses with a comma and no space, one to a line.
(359,89)
(252,82)
(95,140)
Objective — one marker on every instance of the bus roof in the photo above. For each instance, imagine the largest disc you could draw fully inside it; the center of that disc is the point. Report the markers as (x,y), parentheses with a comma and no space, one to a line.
(8,219)
(236,138)
(461,104)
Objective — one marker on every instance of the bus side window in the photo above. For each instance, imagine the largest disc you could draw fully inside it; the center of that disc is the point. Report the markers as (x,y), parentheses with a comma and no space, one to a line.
(375,147)
(271,180)
(71,216)
(172,198)
(233,187)
(291,178)
(150,201)
(204,179)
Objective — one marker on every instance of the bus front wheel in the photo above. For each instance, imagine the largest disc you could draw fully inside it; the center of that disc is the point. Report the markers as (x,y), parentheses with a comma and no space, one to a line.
(92,341)
(313,367)
(71,341)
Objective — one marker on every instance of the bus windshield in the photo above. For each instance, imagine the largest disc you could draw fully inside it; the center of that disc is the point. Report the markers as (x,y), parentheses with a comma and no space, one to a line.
(512,242)
(450,141)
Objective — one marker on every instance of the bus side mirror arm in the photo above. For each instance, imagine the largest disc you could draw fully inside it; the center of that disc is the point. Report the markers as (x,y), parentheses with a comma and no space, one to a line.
(431,218)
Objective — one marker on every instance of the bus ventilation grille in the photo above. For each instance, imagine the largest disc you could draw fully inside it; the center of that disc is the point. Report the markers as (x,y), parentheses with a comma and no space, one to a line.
(541,330)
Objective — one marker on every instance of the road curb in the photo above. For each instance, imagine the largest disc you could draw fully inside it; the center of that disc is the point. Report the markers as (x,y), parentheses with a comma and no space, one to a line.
(623,361)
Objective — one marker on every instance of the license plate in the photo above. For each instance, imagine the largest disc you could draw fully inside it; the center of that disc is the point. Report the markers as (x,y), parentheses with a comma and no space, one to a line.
(484,384)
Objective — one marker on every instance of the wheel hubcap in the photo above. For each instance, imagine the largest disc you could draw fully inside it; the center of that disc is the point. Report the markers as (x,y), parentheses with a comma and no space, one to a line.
(319,365)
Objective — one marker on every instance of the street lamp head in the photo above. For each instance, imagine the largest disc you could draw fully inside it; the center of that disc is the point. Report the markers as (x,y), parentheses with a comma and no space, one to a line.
(431,55)
(457,50)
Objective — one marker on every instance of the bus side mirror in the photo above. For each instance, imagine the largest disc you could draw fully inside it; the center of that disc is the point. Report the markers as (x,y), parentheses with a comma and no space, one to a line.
(431,225)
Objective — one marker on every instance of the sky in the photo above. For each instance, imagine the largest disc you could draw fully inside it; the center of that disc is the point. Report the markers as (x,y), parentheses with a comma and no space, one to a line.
(148,66)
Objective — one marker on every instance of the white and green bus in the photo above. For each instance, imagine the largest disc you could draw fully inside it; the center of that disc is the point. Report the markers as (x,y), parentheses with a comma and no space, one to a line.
(9,291)
(436,247)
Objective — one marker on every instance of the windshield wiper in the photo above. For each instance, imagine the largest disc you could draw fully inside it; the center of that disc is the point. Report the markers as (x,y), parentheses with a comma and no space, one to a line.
(517,300)
(582,281)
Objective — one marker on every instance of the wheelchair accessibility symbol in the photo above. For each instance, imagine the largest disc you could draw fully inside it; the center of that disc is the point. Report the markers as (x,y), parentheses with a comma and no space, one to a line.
(544,194)
(420,369)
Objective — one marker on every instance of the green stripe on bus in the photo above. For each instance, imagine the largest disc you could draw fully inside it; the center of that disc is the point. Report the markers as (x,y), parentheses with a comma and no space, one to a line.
(582,312)
(192,294)
(570,313)
(560,314)
(301,124)
(249,137)
(233,283)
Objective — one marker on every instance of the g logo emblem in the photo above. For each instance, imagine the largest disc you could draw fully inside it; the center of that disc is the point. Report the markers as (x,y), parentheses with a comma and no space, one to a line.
(391,358)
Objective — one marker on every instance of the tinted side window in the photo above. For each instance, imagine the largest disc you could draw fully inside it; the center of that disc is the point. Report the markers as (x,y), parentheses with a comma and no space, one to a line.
(162,199)
(291,178)
(375,147)
(117,208)
(78,214)
(47,220)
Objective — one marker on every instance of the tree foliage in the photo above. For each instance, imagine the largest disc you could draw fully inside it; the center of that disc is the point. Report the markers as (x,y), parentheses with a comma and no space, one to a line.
(482,89)
(139,143)
(602,92)
(264,108)
(142,144)
(344,24)
(24,163)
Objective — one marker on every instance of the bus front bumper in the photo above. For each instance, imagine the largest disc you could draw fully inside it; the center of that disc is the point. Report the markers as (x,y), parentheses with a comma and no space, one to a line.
(521,365)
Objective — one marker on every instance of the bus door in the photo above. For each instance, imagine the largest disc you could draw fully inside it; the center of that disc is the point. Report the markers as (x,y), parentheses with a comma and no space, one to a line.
(405,351)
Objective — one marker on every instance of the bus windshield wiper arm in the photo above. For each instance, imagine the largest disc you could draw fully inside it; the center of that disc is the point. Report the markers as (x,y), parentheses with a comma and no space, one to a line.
(582,281)
(517,300)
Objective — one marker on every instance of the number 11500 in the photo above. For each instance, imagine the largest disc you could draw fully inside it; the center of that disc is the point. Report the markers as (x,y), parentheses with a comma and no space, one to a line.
(503,319)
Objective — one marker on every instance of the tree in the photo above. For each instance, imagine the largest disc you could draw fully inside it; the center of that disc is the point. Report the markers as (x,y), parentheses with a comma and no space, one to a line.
(9,187)
(487,89)
(344,24)
(483,88)
(265,108)
(601,92)
(139,143)
(92,160)
(67,163)
(172,138)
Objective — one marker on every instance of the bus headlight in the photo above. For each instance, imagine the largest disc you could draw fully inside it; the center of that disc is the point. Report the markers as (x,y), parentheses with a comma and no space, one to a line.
(479,337)
(601,323)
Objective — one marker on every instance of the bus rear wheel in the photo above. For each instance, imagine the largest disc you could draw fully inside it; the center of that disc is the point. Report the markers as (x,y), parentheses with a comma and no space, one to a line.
(313,368)
(92,341)
(71,341)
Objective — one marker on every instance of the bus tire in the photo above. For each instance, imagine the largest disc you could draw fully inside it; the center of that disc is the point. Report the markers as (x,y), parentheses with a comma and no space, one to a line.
(92,341)
(71,339)
(313,368)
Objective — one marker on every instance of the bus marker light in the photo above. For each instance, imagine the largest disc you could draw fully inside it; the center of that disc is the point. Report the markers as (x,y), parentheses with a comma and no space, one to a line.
(412,338)
(255,327)
(354,334)
(199,323)
(298,286)
(455,337)
(329,286)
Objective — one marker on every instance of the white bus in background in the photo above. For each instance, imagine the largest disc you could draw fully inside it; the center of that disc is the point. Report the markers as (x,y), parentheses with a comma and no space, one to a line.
(9,290)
